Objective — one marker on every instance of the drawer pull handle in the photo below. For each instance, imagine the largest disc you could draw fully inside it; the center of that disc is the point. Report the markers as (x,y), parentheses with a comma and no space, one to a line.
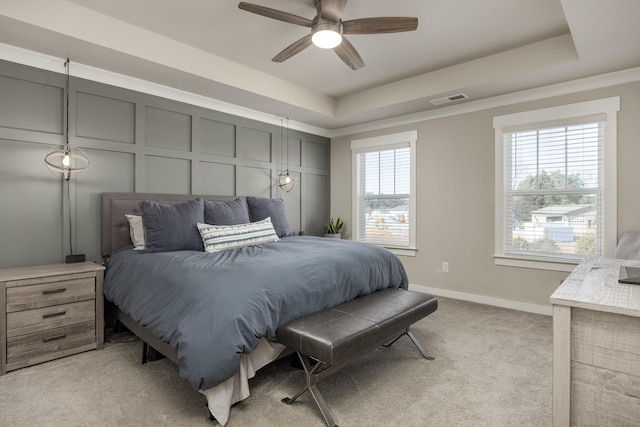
(54,291)
(54,338)
(47,316)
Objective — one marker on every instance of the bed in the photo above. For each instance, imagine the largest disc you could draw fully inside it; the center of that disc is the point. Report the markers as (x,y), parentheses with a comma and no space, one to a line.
(213,309)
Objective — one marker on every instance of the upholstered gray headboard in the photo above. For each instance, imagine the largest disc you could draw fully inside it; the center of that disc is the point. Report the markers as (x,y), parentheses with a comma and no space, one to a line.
(115,227)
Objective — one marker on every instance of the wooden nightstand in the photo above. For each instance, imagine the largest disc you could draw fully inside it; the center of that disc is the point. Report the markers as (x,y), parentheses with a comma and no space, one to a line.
(48,312)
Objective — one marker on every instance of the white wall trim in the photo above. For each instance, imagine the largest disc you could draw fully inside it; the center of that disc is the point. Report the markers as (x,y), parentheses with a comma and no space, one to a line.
(379,142)
(588,83)
(481,299)
(51,63)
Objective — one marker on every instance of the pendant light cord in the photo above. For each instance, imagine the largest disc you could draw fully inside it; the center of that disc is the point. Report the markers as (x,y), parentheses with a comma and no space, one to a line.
(67,66)
(287,145)
(68,183)
(70,224)
(281,142)
(285,181)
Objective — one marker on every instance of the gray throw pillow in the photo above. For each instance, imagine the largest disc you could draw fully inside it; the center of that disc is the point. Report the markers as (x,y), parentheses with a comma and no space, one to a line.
(231,212)
(261,208)
(172,227)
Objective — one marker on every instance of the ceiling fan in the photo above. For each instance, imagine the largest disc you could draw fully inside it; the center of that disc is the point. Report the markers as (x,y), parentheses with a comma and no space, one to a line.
(327,29)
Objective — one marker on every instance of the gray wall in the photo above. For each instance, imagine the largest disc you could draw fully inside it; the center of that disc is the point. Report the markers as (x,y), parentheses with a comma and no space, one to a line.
(455,196)
(135,142)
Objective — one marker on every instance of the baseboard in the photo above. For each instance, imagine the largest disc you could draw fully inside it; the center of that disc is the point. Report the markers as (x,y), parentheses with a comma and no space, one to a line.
(481,299)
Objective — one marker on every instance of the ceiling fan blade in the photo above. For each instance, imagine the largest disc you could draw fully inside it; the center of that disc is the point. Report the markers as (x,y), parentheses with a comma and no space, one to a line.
(331,10)
(382,25)
(295,48)
(275,14)
(348,54)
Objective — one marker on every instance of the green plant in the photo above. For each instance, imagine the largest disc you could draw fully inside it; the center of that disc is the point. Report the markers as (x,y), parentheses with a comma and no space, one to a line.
(333,227)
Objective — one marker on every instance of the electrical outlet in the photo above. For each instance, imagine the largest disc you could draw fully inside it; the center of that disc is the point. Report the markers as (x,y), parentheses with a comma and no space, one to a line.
(445,267)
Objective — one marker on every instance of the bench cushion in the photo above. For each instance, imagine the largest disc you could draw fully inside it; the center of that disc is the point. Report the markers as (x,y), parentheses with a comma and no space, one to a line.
(353,328)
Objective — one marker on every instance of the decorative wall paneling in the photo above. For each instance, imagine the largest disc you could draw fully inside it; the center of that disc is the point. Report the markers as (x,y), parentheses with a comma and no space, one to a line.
(135,142)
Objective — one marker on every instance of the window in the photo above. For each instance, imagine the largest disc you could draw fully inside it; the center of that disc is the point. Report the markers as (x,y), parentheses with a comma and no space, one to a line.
(556,185)
(384,191)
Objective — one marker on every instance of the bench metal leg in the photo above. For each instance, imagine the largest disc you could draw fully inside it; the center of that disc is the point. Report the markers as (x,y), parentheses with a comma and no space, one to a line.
(417,344)
(413,339)
(322,405)
(311,372)
(314,372)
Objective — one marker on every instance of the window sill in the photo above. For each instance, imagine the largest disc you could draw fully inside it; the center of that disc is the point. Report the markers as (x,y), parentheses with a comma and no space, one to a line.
(538,263)
(403,252)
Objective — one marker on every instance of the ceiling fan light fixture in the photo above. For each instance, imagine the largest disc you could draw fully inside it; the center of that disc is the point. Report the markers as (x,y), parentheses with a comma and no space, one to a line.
(326,35)
(327,29)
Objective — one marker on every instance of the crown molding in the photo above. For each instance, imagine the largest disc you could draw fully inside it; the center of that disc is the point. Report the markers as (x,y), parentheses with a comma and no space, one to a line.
(51,63)
(565,88)
(46,62)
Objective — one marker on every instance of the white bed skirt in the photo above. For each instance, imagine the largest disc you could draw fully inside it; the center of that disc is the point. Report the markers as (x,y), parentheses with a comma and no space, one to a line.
(221,397)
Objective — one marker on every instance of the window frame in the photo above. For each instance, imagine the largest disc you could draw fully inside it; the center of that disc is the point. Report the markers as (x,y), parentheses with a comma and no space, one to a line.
(381,143)
(550,116)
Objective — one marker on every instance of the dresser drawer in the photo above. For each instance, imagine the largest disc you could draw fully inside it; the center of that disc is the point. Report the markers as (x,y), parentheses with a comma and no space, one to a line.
(26,295)
(41,319)
(41,345)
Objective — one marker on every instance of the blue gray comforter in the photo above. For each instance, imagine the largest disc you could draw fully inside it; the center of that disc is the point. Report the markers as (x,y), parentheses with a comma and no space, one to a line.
(211,307)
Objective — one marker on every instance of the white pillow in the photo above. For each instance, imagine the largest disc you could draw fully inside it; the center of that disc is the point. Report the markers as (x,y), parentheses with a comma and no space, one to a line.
(136,231)
(218,238)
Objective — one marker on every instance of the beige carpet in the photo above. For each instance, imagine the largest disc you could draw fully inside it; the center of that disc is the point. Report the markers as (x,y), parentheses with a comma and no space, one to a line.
(492,368)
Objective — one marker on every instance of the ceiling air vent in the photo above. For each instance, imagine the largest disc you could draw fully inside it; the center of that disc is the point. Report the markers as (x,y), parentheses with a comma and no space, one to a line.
(447,99)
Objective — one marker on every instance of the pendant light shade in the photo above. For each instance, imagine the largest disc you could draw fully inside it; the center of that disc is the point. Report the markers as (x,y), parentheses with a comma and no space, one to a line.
(67,159)
(286,181)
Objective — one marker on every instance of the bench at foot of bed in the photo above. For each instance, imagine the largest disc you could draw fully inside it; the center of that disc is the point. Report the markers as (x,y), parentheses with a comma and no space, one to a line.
(325,341)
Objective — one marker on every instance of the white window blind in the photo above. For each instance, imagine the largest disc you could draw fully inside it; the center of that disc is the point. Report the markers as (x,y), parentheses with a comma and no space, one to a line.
(554,188)
(555,184)
(384,205)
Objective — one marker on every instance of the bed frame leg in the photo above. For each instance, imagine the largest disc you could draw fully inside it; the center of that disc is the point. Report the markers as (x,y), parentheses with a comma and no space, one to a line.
(150,354)
(145,349)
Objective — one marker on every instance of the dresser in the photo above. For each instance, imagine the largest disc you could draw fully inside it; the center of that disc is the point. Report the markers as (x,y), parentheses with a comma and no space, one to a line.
(596,347)
(48,312)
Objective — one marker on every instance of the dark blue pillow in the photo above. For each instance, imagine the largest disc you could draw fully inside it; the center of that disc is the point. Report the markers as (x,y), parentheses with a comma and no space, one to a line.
(261,208)
(172,227)
(231,212)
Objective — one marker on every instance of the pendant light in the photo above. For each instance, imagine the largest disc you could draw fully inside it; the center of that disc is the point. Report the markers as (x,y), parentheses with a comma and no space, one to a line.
(286,181)
(67,159)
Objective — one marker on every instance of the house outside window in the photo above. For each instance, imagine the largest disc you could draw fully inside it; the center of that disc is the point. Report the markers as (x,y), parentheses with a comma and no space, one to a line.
(556,185)
(384,209)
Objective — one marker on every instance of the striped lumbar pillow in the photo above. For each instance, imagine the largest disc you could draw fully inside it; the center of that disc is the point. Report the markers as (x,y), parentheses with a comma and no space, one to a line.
(218,238)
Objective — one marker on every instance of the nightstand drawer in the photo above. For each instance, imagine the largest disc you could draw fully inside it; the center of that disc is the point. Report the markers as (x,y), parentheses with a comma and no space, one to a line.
(48,312)
(44,344)
(41,319)
(52,293)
